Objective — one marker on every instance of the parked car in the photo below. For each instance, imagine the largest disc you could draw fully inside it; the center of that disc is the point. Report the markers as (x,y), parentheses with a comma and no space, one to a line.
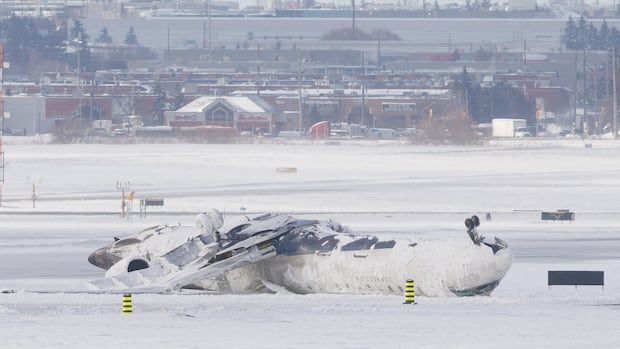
(119,132)
(13,132)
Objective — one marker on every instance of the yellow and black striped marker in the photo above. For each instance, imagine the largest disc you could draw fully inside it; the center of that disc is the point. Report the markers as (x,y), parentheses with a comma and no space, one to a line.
(409,292)
(127,306)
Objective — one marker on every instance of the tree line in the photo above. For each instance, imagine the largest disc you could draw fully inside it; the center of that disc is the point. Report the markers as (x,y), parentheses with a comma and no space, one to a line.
(484,103)
(35,40)
(582,35)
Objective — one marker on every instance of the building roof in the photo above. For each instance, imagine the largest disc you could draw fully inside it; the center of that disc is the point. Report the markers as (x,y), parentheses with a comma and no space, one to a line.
(241,104)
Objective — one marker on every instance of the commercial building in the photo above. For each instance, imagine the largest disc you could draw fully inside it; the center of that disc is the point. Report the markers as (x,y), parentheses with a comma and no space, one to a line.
(240,112)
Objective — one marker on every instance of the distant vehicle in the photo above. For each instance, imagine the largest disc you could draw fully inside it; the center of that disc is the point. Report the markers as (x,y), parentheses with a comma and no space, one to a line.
(14,132)
(288,134)
(98,132)
(507,127)
(410,131)
(522,132)
(383,133)
(338,133)
(119,132)
(565,133)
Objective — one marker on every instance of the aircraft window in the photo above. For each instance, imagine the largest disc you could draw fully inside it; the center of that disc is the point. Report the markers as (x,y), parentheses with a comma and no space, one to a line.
(126,242)
(360,244)
(390,288)
(385,244)
(401,289)
(413,244)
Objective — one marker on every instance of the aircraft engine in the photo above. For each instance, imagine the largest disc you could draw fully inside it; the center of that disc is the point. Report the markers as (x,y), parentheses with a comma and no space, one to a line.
(127,265)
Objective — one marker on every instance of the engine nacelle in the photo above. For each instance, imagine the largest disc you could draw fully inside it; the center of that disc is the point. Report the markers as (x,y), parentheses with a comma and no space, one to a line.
(127,265)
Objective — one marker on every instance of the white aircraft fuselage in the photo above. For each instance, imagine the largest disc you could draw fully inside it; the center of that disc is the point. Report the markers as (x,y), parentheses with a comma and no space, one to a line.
(325,257)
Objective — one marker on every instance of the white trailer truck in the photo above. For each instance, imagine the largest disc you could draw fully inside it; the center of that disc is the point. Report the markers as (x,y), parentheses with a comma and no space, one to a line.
(508,128)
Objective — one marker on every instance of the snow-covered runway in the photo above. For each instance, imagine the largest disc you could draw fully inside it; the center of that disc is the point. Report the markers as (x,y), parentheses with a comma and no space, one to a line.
(390,190)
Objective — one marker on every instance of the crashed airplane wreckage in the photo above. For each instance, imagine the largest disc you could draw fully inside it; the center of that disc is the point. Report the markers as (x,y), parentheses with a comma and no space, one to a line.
(277,252)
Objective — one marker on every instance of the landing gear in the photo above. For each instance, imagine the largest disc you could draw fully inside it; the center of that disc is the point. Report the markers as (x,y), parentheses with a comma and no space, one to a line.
(471,224)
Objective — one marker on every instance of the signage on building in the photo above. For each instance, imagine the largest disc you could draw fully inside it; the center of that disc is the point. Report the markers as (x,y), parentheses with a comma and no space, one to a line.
(253,117)
(398,107)
(185,117)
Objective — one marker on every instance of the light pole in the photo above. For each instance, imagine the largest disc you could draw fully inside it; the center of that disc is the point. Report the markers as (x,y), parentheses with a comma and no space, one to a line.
(2,65)
(301,105)
(615,100)
(77,43)
(363,85)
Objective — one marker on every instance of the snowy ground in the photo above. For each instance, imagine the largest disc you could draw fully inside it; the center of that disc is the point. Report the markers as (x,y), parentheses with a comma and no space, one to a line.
(389,190)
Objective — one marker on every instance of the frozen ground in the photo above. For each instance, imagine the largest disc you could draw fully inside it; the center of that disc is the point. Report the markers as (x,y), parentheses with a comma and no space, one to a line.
(391,190)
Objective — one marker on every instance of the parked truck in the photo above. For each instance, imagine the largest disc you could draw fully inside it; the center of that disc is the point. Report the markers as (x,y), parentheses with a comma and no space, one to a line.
(509,128)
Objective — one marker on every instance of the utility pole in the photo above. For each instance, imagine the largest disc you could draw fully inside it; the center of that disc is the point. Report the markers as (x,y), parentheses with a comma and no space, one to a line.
(615,101)
(585,94)
(209,21)
(363,108)
(301,105)
(1,121)
(79,78)
(92,91)
(379,54)
(353,18)
(258,70)
(525,56)
(576,95)
(204,26)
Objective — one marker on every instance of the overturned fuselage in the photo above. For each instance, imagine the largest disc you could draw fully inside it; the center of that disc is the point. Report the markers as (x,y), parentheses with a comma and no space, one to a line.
(279,252)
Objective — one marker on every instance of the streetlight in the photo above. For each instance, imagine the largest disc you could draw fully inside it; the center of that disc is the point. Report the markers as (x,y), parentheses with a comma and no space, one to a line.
(76,44)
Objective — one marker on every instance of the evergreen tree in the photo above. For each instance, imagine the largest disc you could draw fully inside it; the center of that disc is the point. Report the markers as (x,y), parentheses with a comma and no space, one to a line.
(159,104)
(569,37)
(463,86)
(28,33)
(603,36)
(79,32)
(592,41)
(582,34)
(614,37)
(179,99)
(131,38)
(80,38)
(104,37)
